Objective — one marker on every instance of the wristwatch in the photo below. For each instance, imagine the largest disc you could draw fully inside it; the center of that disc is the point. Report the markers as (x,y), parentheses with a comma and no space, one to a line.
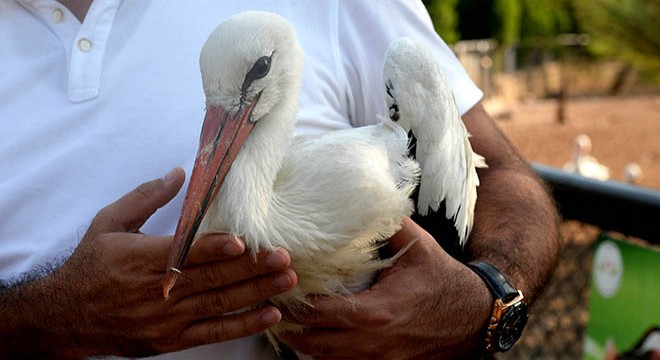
(509,315)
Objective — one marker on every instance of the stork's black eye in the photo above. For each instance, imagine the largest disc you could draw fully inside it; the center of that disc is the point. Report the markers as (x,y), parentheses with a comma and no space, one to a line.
(260,68)
(258,71)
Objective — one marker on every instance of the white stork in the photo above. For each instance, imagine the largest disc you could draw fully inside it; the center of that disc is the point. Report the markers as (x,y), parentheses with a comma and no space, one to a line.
(632,174)
(328,199)
(583,163)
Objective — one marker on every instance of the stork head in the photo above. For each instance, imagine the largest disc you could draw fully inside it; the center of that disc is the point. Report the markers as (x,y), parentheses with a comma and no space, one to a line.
(412,76)
(247,61)
(632,173)
(415,84)
(582,144)
(250,64)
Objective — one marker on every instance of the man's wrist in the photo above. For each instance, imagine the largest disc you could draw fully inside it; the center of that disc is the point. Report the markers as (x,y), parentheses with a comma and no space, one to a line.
(481,304)
(509,315)
(509,267)
(22,322)
(36,322)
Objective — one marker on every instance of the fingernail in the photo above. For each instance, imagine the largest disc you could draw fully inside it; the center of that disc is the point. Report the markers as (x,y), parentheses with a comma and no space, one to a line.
(232,248)
(282,281)
(270,317)
(170,176)
(276,260)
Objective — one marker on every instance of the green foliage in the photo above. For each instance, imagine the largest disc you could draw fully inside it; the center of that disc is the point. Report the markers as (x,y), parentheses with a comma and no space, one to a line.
(445,18)
(537,18)
(509,13)
(508,21)
(546,18)
(627,29)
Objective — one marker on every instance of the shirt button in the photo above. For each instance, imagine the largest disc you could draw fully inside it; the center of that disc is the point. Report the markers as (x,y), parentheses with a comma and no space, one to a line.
(85,45)
(57,15)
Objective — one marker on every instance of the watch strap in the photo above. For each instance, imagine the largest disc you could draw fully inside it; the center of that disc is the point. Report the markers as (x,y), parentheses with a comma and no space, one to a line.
(509,313)
(494,279)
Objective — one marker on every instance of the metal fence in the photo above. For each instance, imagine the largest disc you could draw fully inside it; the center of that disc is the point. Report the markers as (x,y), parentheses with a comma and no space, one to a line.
(559,317)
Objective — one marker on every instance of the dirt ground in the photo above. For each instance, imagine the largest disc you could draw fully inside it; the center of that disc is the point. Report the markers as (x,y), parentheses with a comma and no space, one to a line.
(623,130)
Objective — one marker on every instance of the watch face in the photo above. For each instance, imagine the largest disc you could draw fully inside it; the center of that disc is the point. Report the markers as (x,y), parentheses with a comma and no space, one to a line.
(511,326)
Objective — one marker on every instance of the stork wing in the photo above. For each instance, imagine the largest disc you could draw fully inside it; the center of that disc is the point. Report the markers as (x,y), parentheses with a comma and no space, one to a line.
(419,99)
(448,163)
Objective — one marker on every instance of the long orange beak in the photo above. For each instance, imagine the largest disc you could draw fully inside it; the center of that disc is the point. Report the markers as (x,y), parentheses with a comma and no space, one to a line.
(222,136)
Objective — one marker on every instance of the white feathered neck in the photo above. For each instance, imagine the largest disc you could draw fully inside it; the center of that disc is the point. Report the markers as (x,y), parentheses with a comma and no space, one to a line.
(227,56)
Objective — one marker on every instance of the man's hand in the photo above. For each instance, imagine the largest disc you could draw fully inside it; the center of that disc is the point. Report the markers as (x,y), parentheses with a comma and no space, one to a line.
(427,306)
(107,299)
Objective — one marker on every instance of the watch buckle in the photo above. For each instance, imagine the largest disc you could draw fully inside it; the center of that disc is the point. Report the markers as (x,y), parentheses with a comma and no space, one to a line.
(516,299)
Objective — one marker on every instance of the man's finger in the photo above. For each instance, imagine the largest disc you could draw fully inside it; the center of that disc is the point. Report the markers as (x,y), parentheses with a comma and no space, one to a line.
(410,232)
(363,306)
(326,312)
(214,247)
(132,210)
(229,327)
(224,300)
(207,276)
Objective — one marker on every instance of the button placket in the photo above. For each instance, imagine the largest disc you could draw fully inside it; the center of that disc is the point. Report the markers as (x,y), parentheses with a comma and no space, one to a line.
(84,44)
(89,48)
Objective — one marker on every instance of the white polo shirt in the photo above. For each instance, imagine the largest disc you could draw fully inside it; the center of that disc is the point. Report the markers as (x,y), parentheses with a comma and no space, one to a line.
(89,111)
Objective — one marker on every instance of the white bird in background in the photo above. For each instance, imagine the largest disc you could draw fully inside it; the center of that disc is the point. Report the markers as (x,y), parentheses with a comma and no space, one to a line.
(328,199)
(632,174)
(583,163)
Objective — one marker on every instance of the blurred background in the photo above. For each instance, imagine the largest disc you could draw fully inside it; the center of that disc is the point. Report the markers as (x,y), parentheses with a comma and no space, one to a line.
(554,69)
(575,85)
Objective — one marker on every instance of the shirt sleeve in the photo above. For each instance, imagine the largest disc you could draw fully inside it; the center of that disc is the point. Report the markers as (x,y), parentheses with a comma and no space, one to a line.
(365,30)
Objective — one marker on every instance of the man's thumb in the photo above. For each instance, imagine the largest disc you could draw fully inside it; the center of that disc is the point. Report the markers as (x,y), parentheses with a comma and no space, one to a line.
(132,210)
(410,232)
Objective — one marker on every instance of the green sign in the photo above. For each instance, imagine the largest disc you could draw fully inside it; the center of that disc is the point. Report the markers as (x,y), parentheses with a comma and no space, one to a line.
(624,302)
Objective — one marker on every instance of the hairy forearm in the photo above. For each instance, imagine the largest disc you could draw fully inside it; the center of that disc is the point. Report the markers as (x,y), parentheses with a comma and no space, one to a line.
(32,323)
(516,228)
(516,222)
